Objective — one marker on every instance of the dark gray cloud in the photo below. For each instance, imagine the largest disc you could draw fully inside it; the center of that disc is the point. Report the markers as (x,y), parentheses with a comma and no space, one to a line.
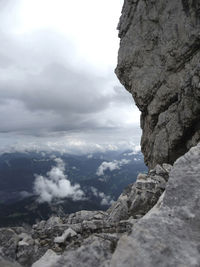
(47,88)
(55,97)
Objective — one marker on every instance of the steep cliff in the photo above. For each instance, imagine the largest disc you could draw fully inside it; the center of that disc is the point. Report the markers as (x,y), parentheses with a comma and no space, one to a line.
(159,64)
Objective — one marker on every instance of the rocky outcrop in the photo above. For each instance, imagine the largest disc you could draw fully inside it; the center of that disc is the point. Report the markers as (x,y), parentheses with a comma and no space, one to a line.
(169,235)
(138,198)
(158,63)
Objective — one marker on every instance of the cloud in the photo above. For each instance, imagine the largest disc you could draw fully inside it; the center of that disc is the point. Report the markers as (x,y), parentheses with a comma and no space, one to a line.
(61,98)
(105,200)
(25,194)
(134,152)
(111,166)
(57,75)
(55,185)
(80,142)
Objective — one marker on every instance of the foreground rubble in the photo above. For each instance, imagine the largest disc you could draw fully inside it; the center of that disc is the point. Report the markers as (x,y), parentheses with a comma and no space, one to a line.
(85,237)
(155,222)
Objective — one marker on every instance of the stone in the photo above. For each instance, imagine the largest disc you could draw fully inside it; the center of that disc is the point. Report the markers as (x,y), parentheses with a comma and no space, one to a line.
(49,259)
(40,225)
(168,235)
(141,196)
(167,167)
(25,254)
(6,263)
(119,210)
(142,176)
(8,242)
(86,215)
(67,234)
(160,170)
(158,63)
(53,220)
(25,239)
(94,251)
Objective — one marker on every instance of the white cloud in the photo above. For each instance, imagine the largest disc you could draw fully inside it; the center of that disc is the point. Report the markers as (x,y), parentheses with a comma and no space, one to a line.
(111,166)
(135,151)
(94,191)
(55,185)
(105,200)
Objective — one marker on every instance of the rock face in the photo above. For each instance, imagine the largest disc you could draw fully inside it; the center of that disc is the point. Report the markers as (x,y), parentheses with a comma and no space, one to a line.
(158,63)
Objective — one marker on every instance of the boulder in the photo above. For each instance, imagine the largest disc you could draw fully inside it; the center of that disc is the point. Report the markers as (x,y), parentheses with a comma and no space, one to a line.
(67,234)
(8,242)
(49,259)
(94,251)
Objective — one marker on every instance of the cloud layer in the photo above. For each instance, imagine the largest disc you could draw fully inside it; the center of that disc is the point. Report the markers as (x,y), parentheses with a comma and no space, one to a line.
(55,185)
(111,166)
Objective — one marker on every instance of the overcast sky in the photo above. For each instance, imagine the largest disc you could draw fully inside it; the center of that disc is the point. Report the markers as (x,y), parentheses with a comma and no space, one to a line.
(58,89)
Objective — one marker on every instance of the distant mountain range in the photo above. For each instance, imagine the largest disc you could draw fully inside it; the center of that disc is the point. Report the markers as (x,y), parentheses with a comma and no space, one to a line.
(17,175)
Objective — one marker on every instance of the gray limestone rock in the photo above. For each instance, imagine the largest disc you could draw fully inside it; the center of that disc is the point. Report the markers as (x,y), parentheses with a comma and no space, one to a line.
(8,242)
(95,251)
(49,259)
(6,263)
(119,210)
(67,234)
(158,63)
(169,235)
(87,215)
(141,196)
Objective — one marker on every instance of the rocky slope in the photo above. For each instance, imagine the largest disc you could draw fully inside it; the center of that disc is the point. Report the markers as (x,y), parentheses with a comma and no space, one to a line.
(159,64)
(88,238)
(133,232)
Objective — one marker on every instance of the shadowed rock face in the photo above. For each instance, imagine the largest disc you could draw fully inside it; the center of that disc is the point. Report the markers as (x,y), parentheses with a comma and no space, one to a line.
(158,63)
